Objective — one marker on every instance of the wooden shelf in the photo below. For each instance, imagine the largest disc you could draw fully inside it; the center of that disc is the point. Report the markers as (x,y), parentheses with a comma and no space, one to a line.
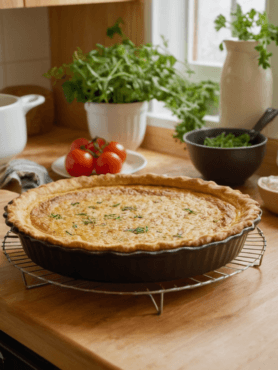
(38,3)
(8,4)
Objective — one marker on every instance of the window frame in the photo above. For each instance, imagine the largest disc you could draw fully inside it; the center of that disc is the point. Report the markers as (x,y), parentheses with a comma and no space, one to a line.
(202,71)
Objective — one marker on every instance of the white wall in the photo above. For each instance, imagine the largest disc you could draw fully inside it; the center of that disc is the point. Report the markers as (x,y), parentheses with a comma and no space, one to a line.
(24,47)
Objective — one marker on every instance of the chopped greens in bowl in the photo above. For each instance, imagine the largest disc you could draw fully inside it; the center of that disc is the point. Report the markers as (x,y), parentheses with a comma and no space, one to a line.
(228,141)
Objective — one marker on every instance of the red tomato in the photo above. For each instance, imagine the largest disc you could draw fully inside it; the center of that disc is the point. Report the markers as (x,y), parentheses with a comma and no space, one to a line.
(76,144)
(95,145)
(92,148)
(117,148)
(100,141)
(108,162)
(79,163)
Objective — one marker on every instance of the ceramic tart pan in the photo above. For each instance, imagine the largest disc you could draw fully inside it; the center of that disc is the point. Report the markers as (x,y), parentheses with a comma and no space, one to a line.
(135,267)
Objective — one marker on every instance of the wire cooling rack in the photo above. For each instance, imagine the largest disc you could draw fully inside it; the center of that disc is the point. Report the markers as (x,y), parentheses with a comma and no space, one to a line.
(250,256)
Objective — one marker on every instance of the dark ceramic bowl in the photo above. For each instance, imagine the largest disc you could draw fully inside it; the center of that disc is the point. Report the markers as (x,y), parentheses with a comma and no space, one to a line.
(225,166)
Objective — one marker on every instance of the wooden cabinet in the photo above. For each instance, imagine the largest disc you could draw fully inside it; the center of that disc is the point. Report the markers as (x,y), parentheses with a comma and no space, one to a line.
(7,4)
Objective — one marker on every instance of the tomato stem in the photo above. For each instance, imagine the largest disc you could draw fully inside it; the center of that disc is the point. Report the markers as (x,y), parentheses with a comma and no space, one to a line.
(89,151)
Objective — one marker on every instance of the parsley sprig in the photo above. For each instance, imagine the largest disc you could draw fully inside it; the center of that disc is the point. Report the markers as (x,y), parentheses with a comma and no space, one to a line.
(242,26)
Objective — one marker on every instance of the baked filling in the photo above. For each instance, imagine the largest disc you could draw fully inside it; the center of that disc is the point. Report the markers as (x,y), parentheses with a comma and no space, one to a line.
(129,217)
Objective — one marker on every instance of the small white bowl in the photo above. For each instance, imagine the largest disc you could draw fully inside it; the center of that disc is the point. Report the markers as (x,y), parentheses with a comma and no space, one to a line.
(269,196)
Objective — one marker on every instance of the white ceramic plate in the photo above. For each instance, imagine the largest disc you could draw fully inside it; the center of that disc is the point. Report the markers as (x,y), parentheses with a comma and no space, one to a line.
(133,163)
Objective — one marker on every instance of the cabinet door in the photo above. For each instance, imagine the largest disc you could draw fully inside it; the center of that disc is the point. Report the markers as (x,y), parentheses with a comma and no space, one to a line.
(33,3)
(7,4)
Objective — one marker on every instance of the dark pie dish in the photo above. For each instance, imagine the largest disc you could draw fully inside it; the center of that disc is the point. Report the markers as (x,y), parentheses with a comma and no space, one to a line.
(139,265)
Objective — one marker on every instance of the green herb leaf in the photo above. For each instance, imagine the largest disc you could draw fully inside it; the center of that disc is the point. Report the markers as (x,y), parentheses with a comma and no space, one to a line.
(87,222)
(116,205)
(129,208)
(228,141)
(74,204)
(138,230)
(57,216)
(69,233)
(189,211)
(220,22)
(81,214)
(112,216)
(116,29)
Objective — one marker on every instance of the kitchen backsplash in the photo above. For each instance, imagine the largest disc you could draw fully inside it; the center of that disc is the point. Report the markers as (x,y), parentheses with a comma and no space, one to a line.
(24,47)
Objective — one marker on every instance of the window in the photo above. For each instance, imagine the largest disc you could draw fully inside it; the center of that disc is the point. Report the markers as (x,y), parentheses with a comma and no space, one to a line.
(188,25)
(203,40)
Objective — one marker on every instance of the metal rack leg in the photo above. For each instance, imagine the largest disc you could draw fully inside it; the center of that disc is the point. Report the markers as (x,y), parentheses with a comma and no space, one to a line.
(264,247)
(161,304)
(260,262)
(28,286)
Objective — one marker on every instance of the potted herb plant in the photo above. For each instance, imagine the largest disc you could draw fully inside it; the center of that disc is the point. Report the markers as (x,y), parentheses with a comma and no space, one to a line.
(246,79)
(116,82)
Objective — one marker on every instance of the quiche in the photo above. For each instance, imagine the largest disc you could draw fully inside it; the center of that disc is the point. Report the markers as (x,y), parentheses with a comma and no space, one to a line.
(128,213)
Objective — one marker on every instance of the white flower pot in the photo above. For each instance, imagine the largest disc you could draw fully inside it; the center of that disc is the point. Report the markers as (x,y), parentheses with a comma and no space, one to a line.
(124,123)
(245,87)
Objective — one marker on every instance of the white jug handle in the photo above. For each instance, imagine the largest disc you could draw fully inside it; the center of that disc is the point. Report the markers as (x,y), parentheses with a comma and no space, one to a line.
(31,101)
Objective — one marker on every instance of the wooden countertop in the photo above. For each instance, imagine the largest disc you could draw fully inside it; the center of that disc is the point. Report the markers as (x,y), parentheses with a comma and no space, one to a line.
(232,324)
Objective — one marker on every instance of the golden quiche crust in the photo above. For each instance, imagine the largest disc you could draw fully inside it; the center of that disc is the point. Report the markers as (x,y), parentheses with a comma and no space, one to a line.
(127,213)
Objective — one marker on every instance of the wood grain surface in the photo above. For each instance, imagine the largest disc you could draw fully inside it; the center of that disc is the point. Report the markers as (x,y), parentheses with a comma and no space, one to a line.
(228,325)
(8,4)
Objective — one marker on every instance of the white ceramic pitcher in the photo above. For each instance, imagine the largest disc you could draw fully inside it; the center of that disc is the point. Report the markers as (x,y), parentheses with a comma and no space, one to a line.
(13,131)
(245,88)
